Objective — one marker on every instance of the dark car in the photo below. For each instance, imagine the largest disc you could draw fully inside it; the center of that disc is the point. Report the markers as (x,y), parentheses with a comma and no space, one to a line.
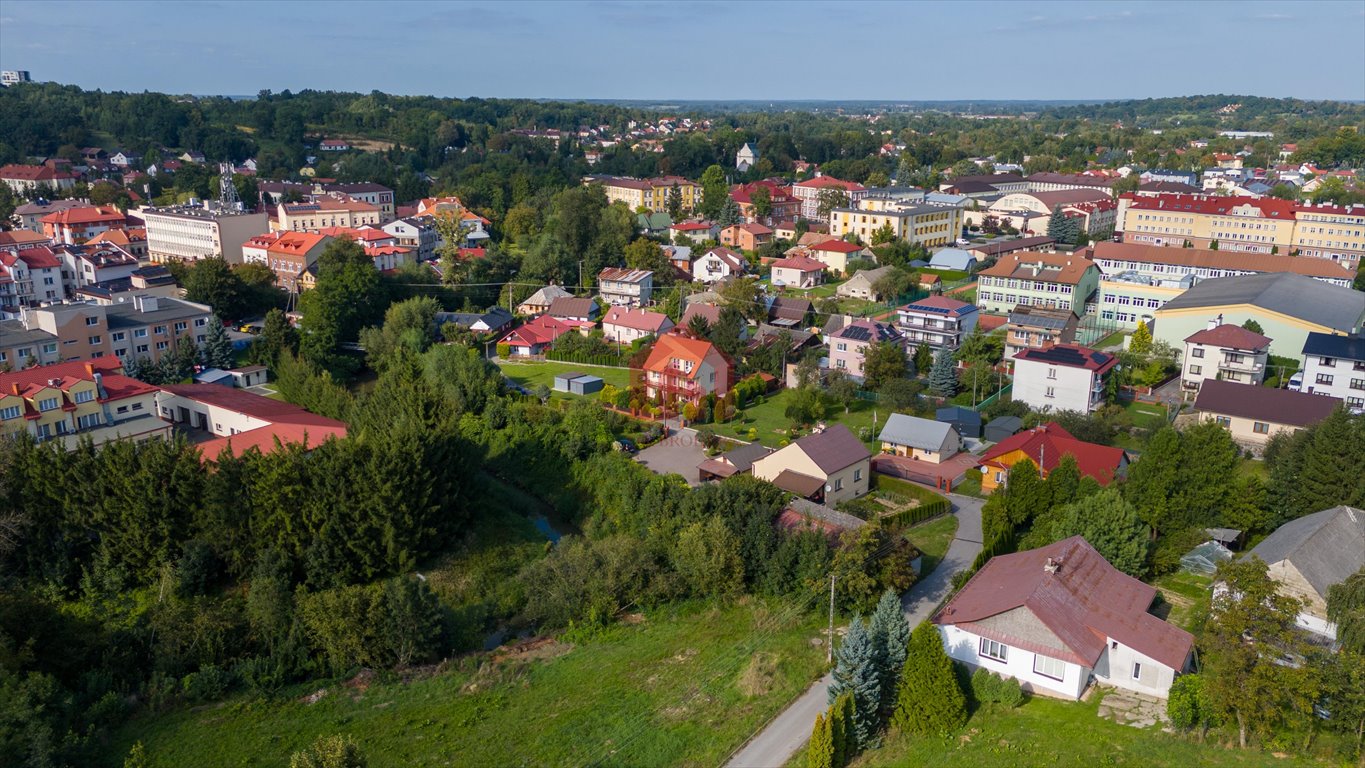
(625,444)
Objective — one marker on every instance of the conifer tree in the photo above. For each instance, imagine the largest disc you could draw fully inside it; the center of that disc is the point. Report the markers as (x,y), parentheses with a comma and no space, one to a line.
(839,730)
(890,635)
(930,699)
(855,672)
(729,213)
(943,375)
(1141,343)
(820,753)
(217,349)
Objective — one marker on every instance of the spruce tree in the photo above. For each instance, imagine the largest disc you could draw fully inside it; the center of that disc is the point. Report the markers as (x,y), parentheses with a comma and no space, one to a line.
(855,672)
(729,213)
(820,753)
(929,700)
(943,376)
(217,349)
(891,635)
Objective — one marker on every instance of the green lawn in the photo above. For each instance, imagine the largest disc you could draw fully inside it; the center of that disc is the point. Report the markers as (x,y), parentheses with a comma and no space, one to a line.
(533,373)
(1188,596)
(1145,416)
(932,539)
(1058,734)
(684,686)
(772,424)
(970,485)
(1114,339)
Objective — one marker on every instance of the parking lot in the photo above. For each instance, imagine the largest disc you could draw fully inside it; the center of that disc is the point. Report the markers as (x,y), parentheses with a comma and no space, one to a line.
(679,453)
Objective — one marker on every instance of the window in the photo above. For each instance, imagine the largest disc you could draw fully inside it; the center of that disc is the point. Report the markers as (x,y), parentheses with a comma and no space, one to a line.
(1260,428)
(1325,379)
(160,330)
(1198,352)
(857,475)
(1357,383)
(87,421)
(1052,373)
(142,349)
(1137,670)
(181,326)
(161,345)
(47,404)
(118,336)
(1327,362)
(140,333)
(92,321)
(1053,668)
(1196,370)
(200,322)
(84,396)
(1051,392)
(94,340)
(839,484)
(12,412)
(993,650)
(1223,421)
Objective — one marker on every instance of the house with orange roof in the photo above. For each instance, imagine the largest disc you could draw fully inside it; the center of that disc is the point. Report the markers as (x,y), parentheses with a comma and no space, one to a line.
(835,254)
(77,400)
(27,179)
(240,420)
(132,239)
(746,237)
(682,369)
(798,272)
(288,254)
(1045,445)
(75,226)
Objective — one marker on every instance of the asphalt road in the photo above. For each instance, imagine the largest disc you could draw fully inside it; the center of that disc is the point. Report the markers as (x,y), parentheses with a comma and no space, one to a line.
(773,746)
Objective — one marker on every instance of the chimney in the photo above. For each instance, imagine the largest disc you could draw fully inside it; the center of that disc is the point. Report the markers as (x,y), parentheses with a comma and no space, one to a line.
(1215,322)
(1052,565)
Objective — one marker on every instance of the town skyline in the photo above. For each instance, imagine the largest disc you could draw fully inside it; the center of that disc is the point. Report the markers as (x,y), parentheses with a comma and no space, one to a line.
(467,49)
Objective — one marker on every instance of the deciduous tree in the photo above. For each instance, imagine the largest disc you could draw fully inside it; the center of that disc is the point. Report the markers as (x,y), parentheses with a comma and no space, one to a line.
(883,362)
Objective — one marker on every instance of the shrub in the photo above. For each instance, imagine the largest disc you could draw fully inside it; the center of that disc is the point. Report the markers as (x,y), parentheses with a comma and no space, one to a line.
(504,350)
(208,684)
(989,688)
(707,438)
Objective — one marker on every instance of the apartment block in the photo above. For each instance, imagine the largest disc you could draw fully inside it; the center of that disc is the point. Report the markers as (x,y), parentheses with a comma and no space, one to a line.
(146,327)
(81,400)
(191,233)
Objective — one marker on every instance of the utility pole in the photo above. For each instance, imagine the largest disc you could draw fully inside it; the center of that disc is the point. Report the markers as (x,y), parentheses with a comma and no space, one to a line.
(829,652)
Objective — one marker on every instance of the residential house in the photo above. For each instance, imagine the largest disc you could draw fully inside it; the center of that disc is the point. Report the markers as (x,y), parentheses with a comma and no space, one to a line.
(746,157)
(782,204)
(84,265)
(863,284)
(1287,307)
(240,420)
(30,215)
(1037,327)
(541,300)
(287,254)
(75,226)
(574,309)
(680,369)
(739,461)
(1335,366)
(1309,555)
(836,254)
(653,224)
(29,276)
(746,237)
(377,195)
(1222,351)
(148,279)
(1255,414)
(133,241)
(535,336)
(938,321)
(328,211)
(1045,445)
(848,346)
(808,192)
(922,439)
(829,466)
(1062,377)
(30,180)
(625,287)
(625,325)
(1039,279)
(797,272)
(718,264)
(78,400)
(495,320)
(1054,617)
(695,232)
(789,312)
(191,233)
(417,234)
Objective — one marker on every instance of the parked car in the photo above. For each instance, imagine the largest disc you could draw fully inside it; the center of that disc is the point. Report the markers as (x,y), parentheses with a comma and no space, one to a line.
(625,444)
(1296,382)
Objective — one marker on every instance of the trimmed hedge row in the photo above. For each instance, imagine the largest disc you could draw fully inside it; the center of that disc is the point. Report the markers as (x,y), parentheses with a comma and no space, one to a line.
(931,504)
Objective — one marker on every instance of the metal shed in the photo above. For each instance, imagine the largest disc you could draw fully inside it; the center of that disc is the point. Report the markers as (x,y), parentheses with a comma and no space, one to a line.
(1003,427)
(585,385)
(967,421)
(562,380)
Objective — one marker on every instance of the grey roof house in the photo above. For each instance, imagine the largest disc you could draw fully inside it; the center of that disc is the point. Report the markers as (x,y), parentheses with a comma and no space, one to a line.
(918,438)
(860,285)
(1307,556)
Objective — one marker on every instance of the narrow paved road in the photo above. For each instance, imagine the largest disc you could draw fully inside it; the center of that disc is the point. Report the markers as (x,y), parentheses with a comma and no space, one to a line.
(773,746)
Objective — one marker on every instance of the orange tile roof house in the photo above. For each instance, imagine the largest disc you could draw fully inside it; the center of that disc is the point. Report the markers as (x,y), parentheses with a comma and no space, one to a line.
(1045,445)
(798,272)
(683,369)
(73,401)
(241,421)
(288,254)
(133,240)
(746,237)
(1055,616)
(75,226)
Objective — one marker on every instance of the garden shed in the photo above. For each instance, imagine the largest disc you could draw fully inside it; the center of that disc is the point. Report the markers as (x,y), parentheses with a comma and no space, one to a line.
(585,385)
(967,421)
(562,380)
(1003,427)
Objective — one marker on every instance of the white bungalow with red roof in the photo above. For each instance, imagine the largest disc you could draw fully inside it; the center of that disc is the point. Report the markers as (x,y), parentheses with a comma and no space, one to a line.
(240,420)
(798,272)
(536,336)
(624,325)
(1056,617)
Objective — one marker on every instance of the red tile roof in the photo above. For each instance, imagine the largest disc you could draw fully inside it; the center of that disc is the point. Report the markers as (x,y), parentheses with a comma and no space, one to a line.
(33,173)
(541,330)
(1081,599)
(1270,207)
(288,422)
(800,263)
(673,346)
(638,319)
(85,215)
(837,246)
(823,182)
(1047,443)
(1231,336)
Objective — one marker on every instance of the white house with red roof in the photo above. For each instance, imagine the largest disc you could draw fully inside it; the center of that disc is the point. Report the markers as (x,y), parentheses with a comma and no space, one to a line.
(25,179)
(693,231)
(808,192)
(1224,351)
(836,254)
(1054,617)
(719,263)
(1062,377)
(798,272)
(35,274)
(240,420)
(75,226)
(624,325)
(536,336)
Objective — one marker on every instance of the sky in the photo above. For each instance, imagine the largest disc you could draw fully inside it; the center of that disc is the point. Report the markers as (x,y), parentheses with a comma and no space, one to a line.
(698,50)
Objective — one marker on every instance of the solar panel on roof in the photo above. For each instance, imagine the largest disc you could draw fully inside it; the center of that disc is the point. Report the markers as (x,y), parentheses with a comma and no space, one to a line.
(856,333)
(1060,355)
(920,308)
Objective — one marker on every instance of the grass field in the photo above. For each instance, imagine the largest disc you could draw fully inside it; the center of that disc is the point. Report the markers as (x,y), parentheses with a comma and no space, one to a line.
(1188,596)
(684,686)
(533,373)
(1060,734)
(932,539)
(772,424)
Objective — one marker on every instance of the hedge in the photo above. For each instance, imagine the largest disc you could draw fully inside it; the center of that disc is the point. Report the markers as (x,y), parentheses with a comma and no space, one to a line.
(931,504)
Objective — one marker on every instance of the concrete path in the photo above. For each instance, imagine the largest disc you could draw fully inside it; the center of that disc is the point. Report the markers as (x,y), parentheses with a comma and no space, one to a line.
(773,746)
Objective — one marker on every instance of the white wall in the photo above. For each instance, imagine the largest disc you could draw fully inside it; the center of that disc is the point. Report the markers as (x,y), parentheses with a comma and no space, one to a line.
(1116,668)
(1070,389)
(963,646)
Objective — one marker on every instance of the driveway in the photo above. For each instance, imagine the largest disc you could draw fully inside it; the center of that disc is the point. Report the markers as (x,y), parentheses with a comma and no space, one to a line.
(679,453)
(773,746)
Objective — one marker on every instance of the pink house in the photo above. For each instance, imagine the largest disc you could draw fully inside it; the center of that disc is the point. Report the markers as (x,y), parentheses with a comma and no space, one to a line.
(848,345)
(624,325)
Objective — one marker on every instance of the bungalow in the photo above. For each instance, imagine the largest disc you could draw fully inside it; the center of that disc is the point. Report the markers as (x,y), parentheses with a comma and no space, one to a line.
(540,301)
(1254,414)
(798,272)
(493,321)
(863,284)
(574,309)
(829,466)
(718,264)
(1045,445)
(1308,555)
(917,438)
(624,325)
(836,254)
(534,337)
(848,345)
(1055,616)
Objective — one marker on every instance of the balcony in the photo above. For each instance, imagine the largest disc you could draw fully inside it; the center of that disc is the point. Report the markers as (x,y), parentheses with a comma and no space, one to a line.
(1244,365)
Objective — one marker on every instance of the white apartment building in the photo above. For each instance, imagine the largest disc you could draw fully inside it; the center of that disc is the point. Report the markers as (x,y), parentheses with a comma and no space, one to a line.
(1062,377)
(191,233)
(1335,366)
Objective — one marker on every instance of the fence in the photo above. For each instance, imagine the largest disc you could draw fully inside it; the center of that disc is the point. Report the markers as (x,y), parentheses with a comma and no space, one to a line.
(930,505)
(992,399)
(610,361)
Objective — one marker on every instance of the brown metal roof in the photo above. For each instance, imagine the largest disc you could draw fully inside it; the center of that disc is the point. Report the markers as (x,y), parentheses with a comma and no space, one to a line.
(1273,406)
(1084,602)
(804,486)
(833,449)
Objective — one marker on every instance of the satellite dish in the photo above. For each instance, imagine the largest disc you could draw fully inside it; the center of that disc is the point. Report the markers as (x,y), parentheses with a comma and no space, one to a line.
(828,488)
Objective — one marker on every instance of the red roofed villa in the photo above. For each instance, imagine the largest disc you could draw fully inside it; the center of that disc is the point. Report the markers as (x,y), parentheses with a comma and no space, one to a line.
(683,369)
(534,337)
